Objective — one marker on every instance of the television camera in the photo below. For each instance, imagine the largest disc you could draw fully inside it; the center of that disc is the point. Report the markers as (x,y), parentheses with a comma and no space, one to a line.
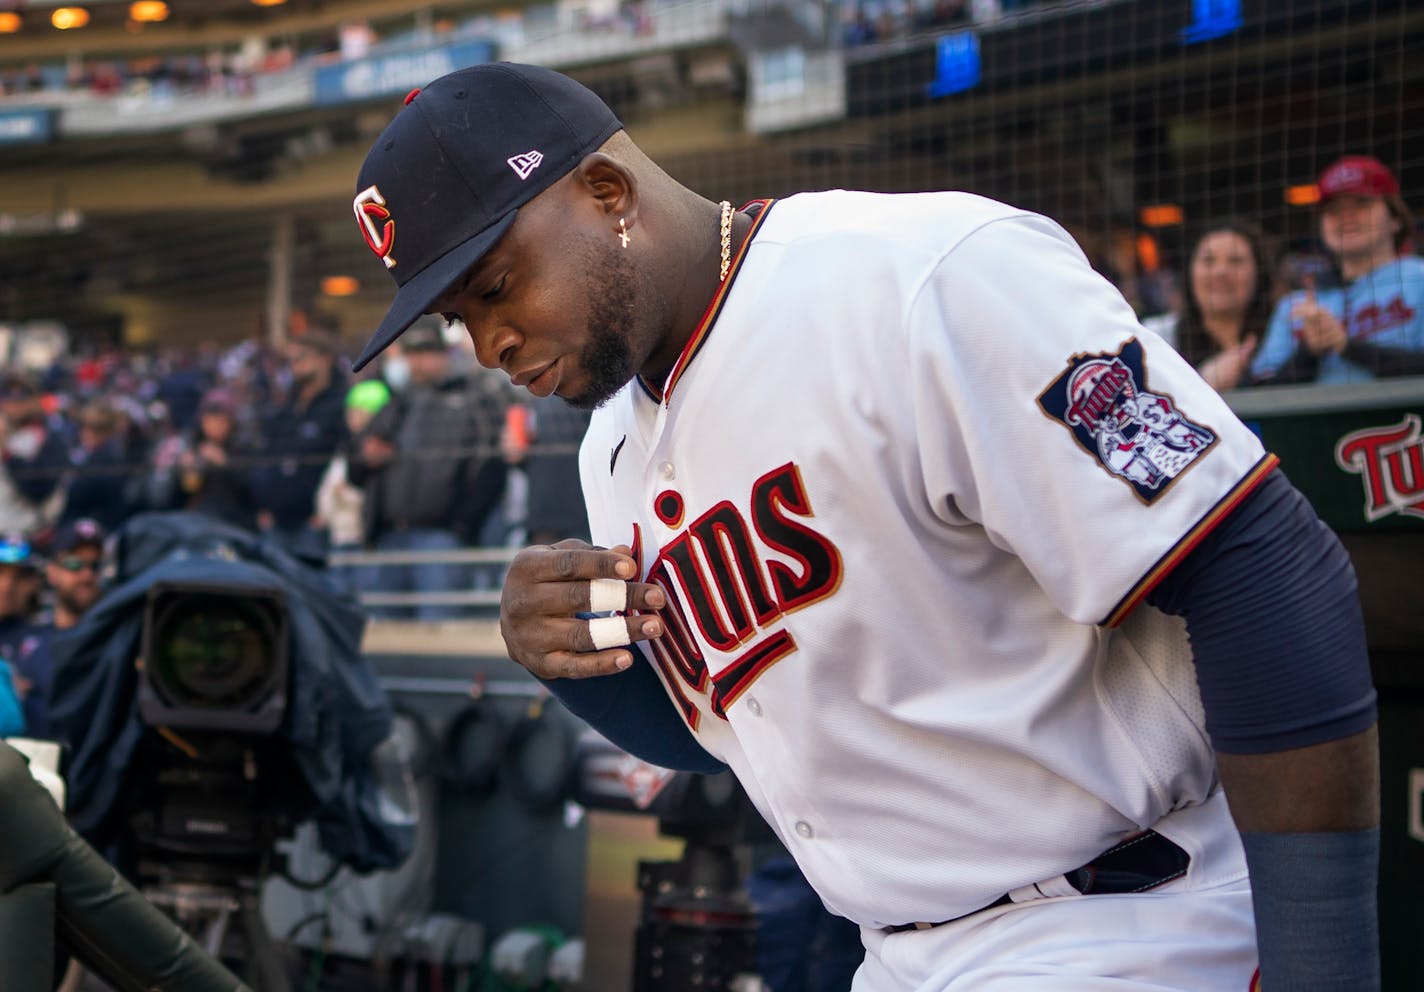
(213,699)
(213,684)
(219,789)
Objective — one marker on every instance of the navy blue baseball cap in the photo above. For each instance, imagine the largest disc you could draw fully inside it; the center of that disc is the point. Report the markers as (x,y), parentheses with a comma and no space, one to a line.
(447,177)
(76,534)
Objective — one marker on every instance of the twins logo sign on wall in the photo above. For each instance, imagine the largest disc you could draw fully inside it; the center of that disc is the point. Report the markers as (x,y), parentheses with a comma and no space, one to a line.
(1390,463)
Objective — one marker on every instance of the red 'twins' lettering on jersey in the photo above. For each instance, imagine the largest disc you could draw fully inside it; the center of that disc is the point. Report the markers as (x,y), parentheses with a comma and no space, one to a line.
(1375,319)
(722,594)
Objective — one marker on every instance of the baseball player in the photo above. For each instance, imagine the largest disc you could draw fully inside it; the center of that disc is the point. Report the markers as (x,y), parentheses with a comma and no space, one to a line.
(1010,629)
(1372,325)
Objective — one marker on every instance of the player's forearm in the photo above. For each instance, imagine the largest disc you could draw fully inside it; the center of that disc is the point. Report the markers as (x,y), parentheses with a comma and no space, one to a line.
(1326,787)
(1270,603)
(1309,825)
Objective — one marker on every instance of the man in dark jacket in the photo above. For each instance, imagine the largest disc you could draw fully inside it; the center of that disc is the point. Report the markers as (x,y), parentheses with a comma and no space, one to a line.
(99,486)
(74,559)
(301,438)
(431,469)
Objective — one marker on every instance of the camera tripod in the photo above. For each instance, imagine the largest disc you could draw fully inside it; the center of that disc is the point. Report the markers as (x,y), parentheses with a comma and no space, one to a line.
(698,928)
(203,837)
(212,911)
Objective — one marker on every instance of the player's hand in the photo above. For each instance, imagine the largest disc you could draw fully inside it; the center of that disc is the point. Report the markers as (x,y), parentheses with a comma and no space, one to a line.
(1322,332)
(548,585)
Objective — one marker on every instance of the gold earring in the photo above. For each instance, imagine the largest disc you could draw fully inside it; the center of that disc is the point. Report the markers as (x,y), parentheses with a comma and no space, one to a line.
(623,231)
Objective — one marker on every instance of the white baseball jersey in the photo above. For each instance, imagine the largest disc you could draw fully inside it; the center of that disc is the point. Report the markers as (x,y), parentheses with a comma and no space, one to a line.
(910,473)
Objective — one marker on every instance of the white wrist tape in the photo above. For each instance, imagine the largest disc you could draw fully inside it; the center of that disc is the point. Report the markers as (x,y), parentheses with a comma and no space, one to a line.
(608,632)
(607,595)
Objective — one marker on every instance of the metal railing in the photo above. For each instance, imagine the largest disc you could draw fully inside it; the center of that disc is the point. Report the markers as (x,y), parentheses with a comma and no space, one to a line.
(486,598)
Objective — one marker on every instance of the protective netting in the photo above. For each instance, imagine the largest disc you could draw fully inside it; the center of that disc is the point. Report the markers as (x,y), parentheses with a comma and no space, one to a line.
(176,203)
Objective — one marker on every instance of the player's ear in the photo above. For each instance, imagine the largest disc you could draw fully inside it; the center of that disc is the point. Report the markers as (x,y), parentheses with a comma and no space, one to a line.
(612,186)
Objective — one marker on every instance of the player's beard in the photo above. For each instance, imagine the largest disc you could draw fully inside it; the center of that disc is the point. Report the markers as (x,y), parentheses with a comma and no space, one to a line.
(615,296)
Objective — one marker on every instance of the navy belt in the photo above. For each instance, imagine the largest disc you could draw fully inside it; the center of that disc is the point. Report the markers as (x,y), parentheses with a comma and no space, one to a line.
(1139,863)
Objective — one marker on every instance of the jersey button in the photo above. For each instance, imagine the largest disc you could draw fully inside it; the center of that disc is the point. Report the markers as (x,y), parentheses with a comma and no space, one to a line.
(753,706)
(668,472)
(803,829)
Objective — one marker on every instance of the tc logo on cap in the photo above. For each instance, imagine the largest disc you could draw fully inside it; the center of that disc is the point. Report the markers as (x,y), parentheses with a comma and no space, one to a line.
(523,165)
(1346,175)
(376,225)
(1358,175)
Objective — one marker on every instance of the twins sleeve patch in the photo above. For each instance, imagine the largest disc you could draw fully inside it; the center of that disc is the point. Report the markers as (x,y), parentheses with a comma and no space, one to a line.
(1136,435)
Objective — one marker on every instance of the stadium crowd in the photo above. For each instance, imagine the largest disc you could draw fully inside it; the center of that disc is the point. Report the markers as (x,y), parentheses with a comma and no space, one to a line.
(263,438)
(234,70)
(246,434)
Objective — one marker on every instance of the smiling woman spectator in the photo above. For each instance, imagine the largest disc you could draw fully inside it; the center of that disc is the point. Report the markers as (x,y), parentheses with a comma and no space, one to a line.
(1228,300)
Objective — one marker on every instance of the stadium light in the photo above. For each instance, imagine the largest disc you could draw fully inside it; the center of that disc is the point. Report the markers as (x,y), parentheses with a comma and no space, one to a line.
(148,11)
(65,18)
(268,3)
(1161,215)
(1303,196)
(10,22)
(339,286)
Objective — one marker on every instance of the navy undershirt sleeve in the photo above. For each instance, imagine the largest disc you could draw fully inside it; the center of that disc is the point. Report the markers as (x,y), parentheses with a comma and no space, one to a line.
(1317,918)
(633,711)
(1269,598)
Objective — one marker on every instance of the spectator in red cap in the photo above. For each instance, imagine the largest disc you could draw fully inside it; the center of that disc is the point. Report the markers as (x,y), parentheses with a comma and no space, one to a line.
(1372,325)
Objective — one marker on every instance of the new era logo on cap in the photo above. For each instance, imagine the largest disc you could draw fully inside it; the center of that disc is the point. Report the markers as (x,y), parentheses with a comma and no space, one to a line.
(524,164)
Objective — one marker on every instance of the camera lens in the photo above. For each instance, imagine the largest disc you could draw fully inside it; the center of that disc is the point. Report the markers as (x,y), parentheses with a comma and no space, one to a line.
(213,652)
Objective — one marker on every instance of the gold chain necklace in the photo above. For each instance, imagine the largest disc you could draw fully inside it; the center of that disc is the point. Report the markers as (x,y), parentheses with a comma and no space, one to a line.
(726,239)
